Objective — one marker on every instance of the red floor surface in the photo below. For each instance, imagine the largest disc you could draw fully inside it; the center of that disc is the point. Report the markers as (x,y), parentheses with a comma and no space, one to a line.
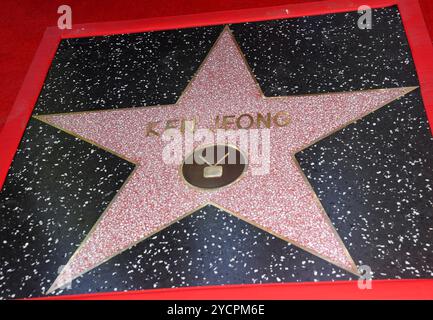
(22,25)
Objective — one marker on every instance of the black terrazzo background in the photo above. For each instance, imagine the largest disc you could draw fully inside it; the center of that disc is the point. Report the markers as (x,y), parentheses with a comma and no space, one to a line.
(327,53)
(209,247)
(55,191)
(126,70)
(375,181)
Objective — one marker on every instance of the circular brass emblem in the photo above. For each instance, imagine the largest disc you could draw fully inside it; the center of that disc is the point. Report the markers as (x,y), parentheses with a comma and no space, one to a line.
(214,166)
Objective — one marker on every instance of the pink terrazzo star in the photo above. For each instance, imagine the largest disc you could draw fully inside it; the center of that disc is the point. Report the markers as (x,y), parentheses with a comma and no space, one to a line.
(281,202)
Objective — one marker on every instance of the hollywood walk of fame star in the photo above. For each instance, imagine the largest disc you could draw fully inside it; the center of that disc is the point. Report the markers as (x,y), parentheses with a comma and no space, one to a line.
(281,202)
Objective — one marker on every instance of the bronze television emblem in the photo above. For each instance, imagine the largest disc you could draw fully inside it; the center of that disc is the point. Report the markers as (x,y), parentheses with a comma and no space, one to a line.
(214,166)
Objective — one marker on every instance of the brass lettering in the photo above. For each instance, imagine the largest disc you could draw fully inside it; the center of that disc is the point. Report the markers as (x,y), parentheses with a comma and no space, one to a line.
(171,124)
(226,122)
(239,121)
(261,119)
(281,119)
(191,125)
(151,126)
